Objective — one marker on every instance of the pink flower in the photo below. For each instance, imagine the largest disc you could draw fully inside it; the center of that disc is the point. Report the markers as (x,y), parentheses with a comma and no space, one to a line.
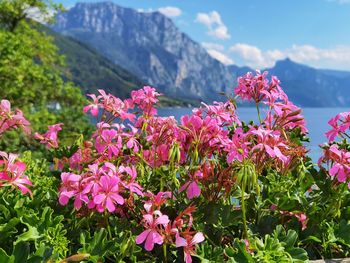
(258,88)
(93,107)
(192,187)
(50,138)
(11,120)
(287,117)
(145,99)
(69,187)
(12,173)
(223,112)
(237,146)
(109,142)
(108,194)
(154,223)
(189,244)
(340,123)
(271,142)
(338,161)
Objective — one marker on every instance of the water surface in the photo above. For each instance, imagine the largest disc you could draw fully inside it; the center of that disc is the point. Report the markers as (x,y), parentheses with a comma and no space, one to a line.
(316,122)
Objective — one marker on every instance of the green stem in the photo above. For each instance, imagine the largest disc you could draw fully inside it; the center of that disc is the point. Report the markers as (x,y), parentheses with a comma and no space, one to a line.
(245,229)
(257,108)
(164,253)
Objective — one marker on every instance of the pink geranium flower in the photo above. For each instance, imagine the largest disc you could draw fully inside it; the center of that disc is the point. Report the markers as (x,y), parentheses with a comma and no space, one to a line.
(94,106)
(153,224)
(50,138)
(191,186)
(108,194)
(12,173)
(189,244)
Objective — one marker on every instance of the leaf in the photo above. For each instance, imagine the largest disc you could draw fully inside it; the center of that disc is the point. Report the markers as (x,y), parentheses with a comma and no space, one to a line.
(9,228)
(4,258)
(239,253)
(21,252)
(31,234)
(343,231)
(298,254)
(291,238)
(313,238)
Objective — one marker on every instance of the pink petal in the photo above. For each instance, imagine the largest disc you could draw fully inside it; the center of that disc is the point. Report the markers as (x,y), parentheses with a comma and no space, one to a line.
(198,237)
(184,187)
(188,258)
(193,190)
(334,170)
(157,238)
(142,237)
(94,111)
(149,244)
(118,198)
(162,220)
(98,199)
(109,204)
(180,241)
(341,175)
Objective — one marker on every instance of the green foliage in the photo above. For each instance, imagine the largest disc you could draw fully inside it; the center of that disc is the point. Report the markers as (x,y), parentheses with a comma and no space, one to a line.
(31,74)
(281,246)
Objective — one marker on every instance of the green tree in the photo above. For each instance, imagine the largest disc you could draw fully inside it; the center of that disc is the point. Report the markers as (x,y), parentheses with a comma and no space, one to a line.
(31,72)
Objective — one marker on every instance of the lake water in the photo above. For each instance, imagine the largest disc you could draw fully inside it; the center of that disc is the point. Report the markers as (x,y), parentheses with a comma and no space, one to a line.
(316,122)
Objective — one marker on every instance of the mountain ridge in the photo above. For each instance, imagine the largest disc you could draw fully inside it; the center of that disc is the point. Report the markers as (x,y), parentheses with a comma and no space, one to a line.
(150,46)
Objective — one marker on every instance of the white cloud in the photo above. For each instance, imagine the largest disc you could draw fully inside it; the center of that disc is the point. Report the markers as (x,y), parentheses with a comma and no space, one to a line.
(224,59)
(251,55)
(170,11)
(217,51)
(215,46)
(337,57)
(213,22)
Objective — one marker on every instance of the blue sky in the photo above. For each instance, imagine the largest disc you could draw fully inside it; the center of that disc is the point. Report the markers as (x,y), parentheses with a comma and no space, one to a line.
(259,32)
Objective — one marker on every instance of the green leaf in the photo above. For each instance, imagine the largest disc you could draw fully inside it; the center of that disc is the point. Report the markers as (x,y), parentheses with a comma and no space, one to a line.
(31,234)
(239,253)
(4,258)
(298,254)
(21,252)
(343,231)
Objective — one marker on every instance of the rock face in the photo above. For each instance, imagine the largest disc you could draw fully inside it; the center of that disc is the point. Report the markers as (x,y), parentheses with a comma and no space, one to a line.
(150,46)
(312,87)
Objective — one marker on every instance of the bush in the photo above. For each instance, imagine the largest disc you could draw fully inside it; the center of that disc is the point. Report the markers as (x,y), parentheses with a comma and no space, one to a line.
(210,188)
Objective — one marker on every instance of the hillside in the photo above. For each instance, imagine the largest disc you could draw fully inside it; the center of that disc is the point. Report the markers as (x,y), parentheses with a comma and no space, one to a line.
(150,46)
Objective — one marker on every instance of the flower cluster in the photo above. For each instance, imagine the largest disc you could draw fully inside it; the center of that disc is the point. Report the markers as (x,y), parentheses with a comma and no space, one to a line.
(50,138)
(133,149)
(11,119)
(101,188)
(340,124)
(12,173)
(336,156)
(159,228)
(11,169)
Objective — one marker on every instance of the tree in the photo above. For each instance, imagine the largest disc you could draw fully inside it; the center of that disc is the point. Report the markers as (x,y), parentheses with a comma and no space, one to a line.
(31,71)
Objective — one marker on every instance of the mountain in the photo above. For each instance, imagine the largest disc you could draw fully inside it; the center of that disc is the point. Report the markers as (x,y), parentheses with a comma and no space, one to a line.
(150,46)
(91,71)
(312,87)
(307,86)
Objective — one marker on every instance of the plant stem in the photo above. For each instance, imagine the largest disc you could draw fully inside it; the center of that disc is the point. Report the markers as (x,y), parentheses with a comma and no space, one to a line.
(164,253)
(245,230)
(257,108)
